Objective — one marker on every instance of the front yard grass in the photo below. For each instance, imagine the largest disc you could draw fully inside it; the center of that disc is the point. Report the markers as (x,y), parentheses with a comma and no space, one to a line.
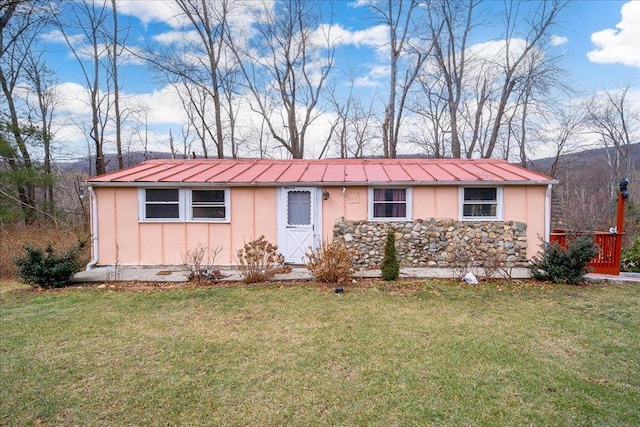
(412,353)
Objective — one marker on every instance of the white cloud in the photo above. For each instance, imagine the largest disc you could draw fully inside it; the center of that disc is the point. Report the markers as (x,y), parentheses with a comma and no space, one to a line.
(373,37)
(620,45)
(56,36)
(177,37)
(559,40)
(148,11)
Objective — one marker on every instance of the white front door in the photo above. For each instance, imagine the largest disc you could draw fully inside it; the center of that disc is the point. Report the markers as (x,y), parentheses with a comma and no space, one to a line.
(297,222)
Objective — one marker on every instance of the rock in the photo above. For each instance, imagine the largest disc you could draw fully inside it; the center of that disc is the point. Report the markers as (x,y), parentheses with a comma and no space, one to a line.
(470,279)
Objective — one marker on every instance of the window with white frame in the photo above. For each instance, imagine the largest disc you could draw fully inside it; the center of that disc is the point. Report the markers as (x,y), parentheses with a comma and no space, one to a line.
(180,204)
(209,205)
(161,203)
(390,203)
(481,203)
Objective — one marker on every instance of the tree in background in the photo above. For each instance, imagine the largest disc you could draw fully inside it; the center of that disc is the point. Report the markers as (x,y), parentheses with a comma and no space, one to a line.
(285,65)
(83,27)
(409,48)
(612,117)
(24,125)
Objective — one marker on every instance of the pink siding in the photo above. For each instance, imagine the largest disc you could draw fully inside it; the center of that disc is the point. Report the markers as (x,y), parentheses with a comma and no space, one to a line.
(350,204)
(526,204)
(125,240)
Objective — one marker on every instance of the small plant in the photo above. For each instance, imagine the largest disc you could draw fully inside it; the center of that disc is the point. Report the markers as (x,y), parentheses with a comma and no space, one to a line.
(630,260)
(258,260)
(331,262)
(45,269)
(196,260)
(460,263)
(560,264)
(491,265)
(390,266)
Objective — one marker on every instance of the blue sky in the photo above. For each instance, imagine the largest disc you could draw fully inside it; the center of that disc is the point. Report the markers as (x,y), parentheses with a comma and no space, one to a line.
(599,41)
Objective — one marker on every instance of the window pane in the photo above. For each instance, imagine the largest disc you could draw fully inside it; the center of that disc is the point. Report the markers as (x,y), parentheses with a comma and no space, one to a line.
(217,212)
(481,209)
(389,210)
(162,211)
(299,207)
(207,196)
(389,195)
(162,195)
(481,194)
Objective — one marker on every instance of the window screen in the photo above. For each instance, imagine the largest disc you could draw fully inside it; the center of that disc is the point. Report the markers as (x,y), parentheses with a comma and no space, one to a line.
(299,208)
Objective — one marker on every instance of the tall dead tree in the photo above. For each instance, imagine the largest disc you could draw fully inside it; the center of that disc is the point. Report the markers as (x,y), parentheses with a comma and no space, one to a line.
(613,118)
(450,24)
(285,62)
(409,48)
(538,26)
(82,31)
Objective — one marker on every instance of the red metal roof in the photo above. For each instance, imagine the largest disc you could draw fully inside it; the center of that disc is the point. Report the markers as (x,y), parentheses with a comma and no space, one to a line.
(325,172)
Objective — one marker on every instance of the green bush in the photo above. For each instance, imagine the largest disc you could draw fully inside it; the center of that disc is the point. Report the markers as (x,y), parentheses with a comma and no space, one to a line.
(630,260)
(560,264)
(45,269)
(390,267)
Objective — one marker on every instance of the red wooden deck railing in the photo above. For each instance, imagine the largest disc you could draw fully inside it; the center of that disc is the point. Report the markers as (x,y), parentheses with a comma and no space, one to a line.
(610,247)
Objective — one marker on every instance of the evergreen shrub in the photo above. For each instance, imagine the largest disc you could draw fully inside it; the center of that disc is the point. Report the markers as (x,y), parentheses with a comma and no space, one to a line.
(45,269)
(390,266)
(568,264)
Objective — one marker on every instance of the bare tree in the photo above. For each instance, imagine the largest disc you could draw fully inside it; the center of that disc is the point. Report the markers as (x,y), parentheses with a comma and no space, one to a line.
(539,26)
(89,20)
(202,68)
(114,53)
(352,129)
(409,48)
(450,23)
(40,78)
(21,24)
(613,119)
(562,133)
(285,65)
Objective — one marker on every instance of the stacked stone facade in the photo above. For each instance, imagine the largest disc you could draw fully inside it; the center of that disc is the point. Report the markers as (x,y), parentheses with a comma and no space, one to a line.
(437,242)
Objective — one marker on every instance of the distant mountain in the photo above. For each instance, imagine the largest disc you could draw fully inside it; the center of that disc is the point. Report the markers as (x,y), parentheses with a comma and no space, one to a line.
(586,161)
(87,165)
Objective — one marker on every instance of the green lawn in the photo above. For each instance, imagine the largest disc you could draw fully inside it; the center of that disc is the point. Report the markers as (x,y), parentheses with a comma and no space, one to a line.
(421,353)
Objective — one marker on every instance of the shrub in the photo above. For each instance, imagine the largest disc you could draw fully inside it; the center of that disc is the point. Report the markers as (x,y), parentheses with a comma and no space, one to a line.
(630,260)
(332,262)
(14,238)
(45,269)
(258,260)
(390,267)
(560,264)
(195,261)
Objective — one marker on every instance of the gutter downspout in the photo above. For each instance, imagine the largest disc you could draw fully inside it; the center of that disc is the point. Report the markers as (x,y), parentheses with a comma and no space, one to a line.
(547,213)
(94,228)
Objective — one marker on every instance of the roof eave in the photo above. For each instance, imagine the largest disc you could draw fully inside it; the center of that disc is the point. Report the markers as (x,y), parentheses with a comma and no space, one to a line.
(313,184)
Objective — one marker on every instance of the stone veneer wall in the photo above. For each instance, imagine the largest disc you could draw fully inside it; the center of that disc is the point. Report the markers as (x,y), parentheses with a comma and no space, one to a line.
(437,242)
